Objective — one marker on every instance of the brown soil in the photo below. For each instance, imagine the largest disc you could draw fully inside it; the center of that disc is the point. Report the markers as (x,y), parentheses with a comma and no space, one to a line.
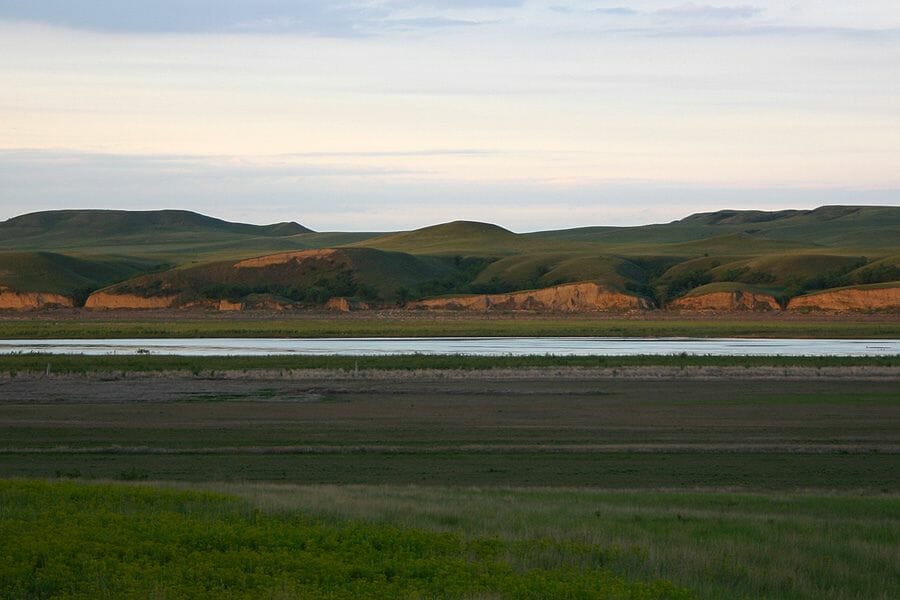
(884,299)
(345,305)
(10,300)
(736,300)
(575,297)
(285,257)
(107,300)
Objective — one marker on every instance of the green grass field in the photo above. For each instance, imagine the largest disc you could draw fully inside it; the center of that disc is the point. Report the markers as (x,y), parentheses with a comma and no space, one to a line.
(156,477)
(50,326)
(78,541)
(14,364)
(248,541)
(718,545)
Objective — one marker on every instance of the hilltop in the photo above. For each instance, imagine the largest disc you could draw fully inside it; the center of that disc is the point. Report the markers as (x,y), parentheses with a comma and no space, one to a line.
(859,227)
(723,260)
(71,226)
(457,237)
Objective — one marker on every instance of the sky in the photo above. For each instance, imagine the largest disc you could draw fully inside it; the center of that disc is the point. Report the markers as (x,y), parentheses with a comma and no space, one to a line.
(378,115)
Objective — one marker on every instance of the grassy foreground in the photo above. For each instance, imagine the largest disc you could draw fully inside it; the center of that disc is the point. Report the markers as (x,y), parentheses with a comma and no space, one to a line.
(13,364)
(718,545)
(94,540)
(416,325)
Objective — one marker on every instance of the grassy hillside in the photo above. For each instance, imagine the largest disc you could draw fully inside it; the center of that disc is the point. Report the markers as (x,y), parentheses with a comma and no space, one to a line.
(172,235)
(73,226)
(544,269)
(458,237)
(307,278)
(789,252)
(857,227)
(730,286)
(66,275)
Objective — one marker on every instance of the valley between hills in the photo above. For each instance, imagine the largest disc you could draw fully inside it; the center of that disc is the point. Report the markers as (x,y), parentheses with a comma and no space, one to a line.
(833,258)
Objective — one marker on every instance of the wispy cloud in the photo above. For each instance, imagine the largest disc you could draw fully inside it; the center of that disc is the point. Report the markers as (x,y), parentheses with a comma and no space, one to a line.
(64,163)
(366,18)
(338,19)
(413,24)
(619,11)
(396,153)
(692,19)
(709,12)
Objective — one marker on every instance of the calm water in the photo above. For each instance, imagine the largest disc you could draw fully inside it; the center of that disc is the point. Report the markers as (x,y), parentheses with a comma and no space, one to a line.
(571,346)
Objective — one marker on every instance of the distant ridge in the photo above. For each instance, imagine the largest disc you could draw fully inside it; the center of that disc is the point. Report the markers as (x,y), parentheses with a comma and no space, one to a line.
(743,217)
(722,260)
(92,222)
(739,217)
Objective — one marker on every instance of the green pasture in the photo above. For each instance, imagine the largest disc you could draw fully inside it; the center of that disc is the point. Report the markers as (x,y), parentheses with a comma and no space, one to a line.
(14,364)
(74,540)
(426,325)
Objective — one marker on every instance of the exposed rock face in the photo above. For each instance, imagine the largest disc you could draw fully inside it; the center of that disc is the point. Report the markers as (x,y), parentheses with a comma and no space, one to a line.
(574,297)
(285,257)
(735,300)
(340,304)
(849,299)
(227,305)
(108,300)
(10,300)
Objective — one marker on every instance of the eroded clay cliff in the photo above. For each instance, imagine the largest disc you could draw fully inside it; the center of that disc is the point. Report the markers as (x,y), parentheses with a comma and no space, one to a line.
(286,257)
(862,299)
(109,300)
(727,301)
(574,297)
(12,300)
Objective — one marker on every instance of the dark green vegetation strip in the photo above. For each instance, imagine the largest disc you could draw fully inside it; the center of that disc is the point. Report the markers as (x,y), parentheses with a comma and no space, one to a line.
(90,541)
(624,470)
(74,363)
(426,326)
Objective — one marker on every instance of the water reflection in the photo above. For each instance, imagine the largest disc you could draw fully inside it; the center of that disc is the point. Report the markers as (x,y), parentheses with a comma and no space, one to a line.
(491,346)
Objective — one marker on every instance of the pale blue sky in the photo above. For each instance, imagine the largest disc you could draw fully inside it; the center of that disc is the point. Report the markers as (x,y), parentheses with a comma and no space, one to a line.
(374,115)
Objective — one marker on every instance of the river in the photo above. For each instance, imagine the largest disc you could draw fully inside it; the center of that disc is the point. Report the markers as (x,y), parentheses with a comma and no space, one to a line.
(486,346)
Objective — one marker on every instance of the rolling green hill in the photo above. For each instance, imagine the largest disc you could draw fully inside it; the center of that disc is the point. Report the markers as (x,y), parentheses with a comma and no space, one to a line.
(787,253)
(305,277)
(545,269)
(66,275)
(852,227)
(71,226)
(172,235)
(459,237)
